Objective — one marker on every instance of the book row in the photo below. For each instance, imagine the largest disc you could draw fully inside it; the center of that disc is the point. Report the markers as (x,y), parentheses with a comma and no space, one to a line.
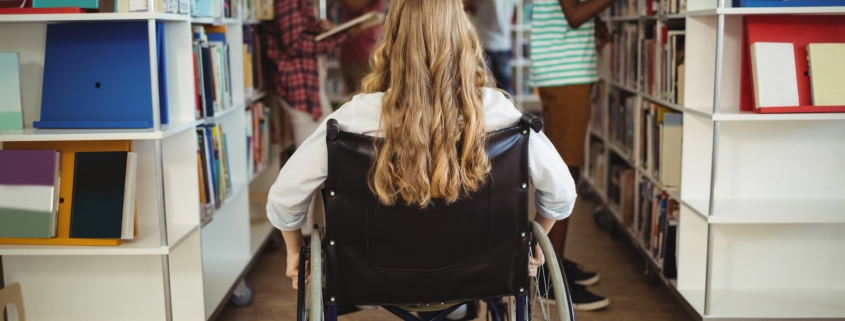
(215,179)
(246,9)
(74,95)
(633,8)
(67,190)
(259,135)
(661,141)
(212,76)
(653,63)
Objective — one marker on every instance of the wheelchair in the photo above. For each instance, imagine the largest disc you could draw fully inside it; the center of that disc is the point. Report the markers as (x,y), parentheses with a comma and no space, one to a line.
(405,258)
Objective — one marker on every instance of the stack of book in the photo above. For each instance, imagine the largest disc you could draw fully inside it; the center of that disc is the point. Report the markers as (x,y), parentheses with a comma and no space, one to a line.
(215,8)
(661,141)
(253,61)
(656,226)
(663,62)
(258,10)
(215,182)
(623,58)
(258,139)
(212,77)
(68,192)
(598,164)
(598,111)
(621,119)
(633,8)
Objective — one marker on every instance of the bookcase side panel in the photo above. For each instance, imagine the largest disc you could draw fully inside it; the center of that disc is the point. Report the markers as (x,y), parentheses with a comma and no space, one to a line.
(697,159)
(692,257)
(89,287)
(29,41)
(225,250)
(181,92)
(700,62)
(731,64)
(146,188)
(233,127)
(181,181)
(234,35)
(186,286)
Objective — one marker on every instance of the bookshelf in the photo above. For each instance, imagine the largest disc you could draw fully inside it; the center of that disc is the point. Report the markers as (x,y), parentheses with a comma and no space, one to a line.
(753,214)
(177,267)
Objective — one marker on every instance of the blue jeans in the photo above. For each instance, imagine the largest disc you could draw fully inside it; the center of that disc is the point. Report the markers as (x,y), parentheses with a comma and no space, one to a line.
(499,63)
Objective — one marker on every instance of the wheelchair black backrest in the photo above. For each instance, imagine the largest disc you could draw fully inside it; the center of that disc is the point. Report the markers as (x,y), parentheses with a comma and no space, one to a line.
(474,248)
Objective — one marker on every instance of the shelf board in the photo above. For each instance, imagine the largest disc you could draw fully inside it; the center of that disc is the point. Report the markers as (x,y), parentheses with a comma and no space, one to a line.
(526,99)
(624,153)
(662,102)
(228,201)
(214,21)
(253,22)
(771,211)
(751,116)
(35,134)
(673,192)
(517,63)
(520,28)
(772,10)
(780,304)
(68,17)
(255,97)
(337,98)
(624,87)
(259,230)
(143,244)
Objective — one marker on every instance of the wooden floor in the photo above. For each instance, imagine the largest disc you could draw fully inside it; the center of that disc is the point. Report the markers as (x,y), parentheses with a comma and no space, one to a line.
(621,269)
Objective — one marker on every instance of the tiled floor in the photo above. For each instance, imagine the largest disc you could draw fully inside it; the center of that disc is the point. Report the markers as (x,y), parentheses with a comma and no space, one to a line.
(620,266)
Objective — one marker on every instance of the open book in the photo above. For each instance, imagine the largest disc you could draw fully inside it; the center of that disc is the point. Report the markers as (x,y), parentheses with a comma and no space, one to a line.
(368,19)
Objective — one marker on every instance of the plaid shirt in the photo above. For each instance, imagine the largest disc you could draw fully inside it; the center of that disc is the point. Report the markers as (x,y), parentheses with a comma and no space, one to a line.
(291,45)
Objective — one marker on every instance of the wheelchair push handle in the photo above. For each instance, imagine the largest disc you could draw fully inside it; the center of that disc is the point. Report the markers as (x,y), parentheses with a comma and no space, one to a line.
(531,120)
(332,128)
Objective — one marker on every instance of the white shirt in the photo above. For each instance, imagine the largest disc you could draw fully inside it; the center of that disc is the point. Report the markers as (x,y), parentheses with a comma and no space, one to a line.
(306,170)
(493,23)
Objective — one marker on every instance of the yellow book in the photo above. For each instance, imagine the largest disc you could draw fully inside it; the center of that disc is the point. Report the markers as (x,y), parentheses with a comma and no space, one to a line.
(69,150)
(827,73)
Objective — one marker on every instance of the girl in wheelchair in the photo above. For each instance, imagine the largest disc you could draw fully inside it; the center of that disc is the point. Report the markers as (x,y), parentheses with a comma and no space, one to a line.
(428,93)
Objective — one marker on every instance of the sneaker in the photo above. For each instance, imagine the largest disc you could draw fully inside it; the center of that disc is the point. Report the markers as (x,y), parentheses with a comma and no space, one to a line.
(584,300)
(575,274)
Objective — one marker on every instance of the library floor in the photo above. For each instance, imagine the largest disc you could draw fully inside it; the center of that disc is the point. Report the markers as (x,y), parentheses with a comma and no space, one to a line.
(621,269)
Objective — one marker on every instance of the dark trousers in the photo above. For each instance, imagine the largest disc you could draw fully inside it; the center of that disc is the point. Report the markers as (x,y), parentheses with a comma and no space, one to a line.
(499,63)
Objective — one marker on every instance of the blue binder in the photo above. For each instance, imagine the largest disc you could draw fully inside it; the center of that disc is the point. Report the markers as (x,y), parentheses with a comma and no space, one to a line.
(97,75)
(161,53)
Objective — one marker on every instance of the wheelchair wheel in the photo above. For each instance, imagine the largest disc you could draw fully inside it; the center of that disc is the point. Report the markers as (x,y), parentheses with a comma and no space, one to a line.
(548,294)
(309,297)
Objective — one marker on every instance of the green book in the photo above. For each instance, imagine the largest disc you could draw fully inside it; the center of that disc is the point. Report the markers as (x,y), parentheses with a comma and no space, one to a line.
(85,4)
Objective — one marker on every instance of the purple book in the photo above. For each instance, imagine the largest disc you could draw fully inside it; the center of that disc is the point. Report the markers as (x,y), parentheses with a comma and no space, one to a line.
(29,193)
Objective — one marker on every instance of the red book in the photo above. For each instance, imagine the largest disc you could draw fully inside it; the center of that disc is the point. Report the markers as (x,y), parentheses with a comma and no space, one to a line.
(41,10)
(800,31)
(197,89)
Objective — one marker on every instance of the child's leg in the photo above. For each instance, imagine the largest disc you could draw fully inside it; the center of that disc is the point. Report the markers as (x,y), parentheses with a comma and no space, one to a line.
(566,115)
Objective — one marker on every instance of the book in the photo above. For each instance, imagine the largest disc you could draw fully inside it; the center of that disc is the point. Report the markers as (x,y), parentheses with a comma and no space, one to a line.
(29,193)
(773,72)
(367,19)
(670,150)
(827,73)
(128,231)
(68,151)
(11,113)
(101,191)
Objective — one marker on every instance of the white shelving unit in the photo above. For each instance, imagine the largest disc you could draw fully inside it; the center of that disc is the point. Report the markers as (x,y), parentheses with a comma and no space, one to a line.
(176,268)
(762,226)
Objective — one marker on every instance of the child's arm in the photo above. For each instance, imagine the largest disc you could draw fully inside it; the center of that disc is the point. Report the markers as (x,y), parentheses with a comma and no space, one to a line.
(578,12)
(293,241)
(555,195)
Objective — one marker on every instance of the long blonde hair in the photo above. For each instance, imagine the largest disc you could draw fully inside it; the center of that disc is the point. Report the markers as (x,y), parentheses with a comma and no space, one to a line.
(430,66)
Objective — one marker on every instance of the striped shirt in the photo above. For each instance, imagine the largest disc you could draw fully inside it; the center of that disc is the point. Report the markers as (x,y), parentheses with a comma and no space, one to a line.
(560,55)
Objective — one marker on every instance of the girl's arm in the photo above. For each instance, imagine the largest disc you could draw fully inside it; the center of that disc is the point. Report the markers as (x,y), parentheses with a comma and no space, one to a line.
(297,32)
(577,12)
